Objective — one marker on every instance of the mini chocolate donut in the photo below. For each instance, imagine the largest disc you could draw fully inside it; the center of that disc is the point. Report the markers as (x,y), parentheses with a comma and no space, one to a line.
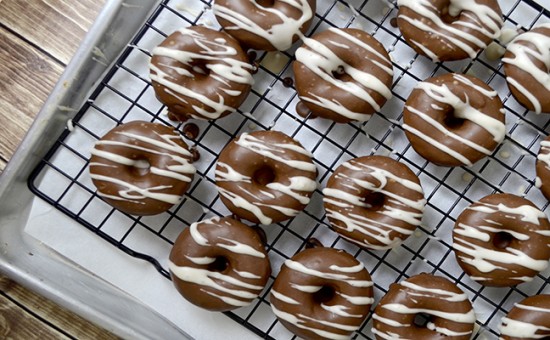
(449,311)
(322,293)
(265,24)
(502,240)
(374,201)
(265,176)
(454,119)
(529,319)
(527,67)
(200,73)
(343,74)
(219,264)
(543,168)
(141,168)
(445,30)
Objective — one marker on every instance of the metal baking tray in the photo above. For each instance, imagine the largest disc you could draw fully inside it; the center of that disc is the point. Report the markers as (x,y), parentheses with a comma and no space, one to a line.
(46,198)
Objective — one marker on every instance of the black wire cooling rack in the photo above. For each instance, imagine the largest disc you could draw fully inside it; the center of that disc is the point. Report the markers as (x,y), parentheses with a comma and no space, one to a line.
(125,94)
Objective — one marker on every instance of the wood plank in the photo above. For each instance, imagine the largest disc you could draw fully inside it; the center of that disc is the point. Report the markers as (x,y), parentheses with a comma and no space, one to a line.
(16,323)
(26,78)
(60,318)
(56,26)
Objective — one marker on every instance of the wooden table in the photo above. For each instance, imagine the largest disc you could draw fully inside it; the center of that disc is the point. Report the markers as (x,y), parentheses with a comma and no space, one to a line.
(37,40)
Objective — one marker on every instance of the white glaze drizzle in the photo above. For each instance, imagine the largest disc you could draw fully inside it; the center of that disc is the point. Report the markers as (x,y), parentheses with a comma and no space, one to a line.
(281,34)
(297,266)
(322,61)
(222,66)
(544,156)
(455,35)
(525,213)
(468,317)
(296,321)
(525,58)
(521,329)
(380,231)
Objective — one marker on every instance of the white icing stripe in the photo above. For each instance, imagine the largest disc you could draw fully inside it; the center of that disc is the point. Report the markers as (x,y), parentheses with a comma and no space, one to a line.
(357,300)
(133,192)
(355,269)
(279,35)
(443,294)
(283,298)
(230,174)
(489,19)
(241,202)
(196,235)
(297,183)
(468,317)
(202,261)
(524,330)
(533,308)
(322,61)
(247,275)
(525,59)
(445,331)
(297,266)
(296,321)
(389,322)
(227,299)
(306,289)
(240,248)
(526,213)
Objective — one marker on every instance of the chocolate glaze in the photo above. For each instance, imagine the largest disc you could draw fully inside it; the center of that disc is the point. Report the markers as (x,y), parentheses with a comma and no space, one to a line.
(454,119)
(265,25)
(343,74)
(200,73)
(444,30)
(529,319)
(141,168)
(527,67)
(374,201)
(451,315)
(502,240)
(219,264)
(543,168)
(191,130)
(265,176)
(322,293)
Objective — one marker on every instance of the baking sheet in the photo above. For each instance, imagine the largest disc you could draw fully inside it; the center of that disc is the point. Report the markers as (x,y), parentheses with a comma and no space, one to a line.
(128,96)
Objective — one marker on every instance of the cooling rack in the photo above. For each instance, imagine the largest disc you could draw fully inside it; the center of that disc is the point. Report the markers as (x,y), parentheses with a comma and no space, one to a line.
(125,94)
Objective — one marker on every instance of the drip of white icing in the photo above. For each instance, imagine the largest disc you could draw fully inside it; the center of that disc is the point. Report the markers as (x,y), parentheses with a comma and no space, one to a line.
(298,322)
(247,275)
(544,156)
(521,329)
(201,260)
(279,35)
(297,266)
(389,322)
(357,300)
(488,18)
(322,61)
(525,58)
(241,202)
(526,213)
(227,299)
(230,174)
(306,289)
(469,317)
(240,248)
(221,63)
(297,183)
(443,294)
(355,269)
(445,331)
(283,298)
(196,235)
(340,310)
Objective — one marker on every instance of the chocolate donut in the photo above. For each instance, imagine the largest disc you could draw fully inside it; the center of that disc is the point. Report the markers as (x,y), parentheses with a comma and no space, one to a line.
(449,311)
(527,68)
(219,264)
(322,293)
(445,30)
(529,319)
(502,240)
(374,201)
(543,168)
(265,24)
(343,74)
(265,176)
(200,73)
(454,119)
(141,168)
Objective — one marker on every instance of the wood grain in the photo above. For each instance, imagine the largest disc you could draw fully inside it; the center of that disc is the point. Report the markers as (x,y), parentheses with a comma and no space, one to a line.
(55,26)
(42,309)
(26,78)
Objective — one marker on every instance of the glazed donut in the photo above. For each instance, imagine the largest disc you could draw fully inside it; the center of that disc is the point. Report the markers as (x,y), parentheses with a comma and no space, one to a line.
(200,73)
(265,24)
(265,176)
(543,168)
(374,201)
(454,119)
(502,240)
(219,264)
(448,307)
(343,74)
(527,66)
(141,168)
(322,293)
(529,319)
(446,30)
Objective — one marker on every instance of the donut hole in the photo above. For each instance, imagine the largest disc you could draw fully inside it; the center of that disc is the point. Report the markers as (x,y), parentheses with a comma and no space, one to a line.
(200,70)
(340,73)
(502,240)
(263,176)
(266,3)
(374,200)
(422,320)
(323,295)
(452,121)
(141,167)
(219,265)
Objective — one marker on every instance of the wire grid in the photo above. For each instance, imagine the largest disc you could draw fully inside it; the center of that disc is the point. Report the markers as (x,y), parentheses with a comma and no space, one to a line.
(125,94)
